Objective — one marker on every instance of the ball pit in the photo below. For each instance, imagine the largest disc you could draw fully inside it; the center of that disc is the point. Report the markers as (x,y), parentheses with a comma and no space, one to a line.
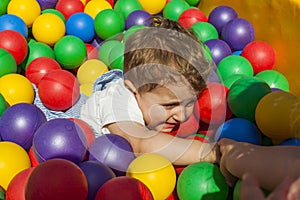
(92,8)
(13,22)
(126,7)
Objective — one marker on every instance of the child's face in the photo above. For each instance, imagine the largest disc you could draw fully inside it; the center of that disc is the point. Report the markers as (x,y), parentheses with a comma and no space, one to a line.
(164,107)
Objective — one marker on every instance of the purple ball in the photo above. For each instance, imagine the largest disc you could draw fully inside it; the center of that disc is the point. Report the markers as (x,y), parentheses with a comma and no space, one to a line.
(19,123)
(220,16)
(47,4)
(112,150)
(137,17)
(96,174)
(238,33)
(60,138)
(219,49)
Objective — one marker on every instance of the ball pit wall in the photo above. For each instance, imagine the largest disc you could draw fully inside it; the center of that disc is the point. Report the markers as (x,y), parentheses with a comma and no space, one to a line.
(275,22)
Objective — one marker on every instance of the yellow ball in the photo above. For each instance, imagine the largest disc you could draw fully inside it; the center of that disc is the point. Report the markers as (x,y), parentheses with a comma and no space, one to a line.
(153,6)
(13,159)
(90,70)
(156,172)
(27,10)
(93,7)
(16,88)
(86,88)
(277,116)
(48,28)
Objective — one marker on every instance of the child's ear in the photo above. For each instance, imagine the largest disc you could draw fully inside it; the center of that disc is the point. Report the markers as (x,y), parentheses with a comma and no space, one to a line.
(130,86)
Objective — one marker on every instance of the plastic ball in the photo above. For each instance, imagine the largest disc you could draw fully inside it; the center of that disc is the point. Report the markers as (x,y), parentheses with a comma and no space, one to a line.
(230,80)
(13,22)
(274,79)
(3,6)
(211,106)
(7,62)
(19,122)
(96,174)
(33,160)
(241,130)
(81,25)
(2,194)
(58,90)
(15,43)
(57,179)
(191,16)
(219,49)
(138,17)
(173,9)
(27,10)
(108,23)
(60,138)
(105,49)
(260,54)
(69,7)
(48,28)
(126,187)
(125,7)
(9,165)
(244,96)
(56,12)
(47,4)
(220,16)
(90,70)
(16,187)
(3,106)
(205,31)
(154,6)
(36,50)
(112,150)
(277,116)
(86,89)
(156,172)
(88,131)
(131,30)
(237,33)
(92,51)
(234,64)
(92,8)
(201,180)
(186,128)
(16,88)
(116,57)
(291,142)
(37,68)
(70,52)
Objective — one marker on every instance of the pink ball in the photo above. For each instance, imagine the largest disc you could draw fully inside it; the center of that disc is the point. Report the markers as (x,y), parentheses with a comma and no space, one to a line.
(59,90)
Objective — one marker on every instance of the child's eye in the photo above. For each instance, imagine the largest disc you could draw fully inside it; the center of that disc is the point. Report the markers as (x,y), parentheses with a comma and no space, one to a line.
(170,106)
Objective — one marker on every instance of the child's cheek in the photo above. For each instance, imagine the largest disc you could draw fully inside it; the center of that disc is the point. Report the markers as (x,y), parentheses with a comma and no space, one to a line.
(156,115)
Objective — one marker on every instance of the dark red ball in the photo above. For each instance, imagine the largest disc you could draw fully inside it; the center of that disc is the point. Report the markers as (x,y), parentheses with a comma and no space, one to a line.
(191,16)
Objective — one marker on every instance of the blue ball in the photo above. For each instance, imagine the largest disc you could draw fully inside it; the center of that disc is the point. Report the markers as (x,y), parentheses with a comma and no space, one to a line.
(241,130)
(13,22)
(291,142)
(81,25)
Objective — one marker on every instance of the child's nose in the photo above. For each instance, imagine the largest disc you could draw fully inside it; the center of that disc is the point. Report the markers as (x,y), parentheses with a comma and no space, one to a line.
(180,114)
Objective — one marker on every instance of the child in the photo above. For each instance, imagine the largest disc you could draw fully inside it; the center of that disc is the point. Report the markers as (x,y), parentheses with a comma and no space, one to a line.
(269,165)
(165,69)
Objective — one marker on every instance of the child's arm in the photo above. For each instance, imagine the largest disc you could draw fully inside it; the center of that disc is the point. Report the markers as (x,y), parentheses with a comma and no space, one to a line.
(269,164)
(178,150)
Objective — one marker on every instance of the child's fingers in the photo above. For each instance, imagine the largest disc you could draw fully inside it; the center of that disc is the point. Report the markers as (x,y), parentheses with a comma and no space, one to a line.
(250,189)
(230,179)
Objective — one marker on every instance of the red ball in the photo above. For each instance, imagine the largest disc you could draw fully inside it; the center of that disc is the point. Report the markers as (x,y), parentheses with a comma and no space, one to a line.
(37,68)
(15,43)
(187,128)
(211,106)
(16,187)
(190,16)
(69,7)
(88,131)
(33,160)
(92,52)
(124,187)
(59,90)
(111,2)
(57,179)
(260,54)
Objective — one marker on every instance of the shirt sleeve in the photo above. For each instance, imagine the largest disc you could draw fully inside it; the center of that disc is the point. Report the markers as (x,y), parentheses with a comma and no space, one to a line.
(115,103)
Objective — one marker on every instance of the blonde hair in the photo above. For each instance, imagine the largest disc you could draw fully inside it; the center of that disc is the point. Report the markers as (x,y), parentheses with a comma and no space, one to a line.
(165,53)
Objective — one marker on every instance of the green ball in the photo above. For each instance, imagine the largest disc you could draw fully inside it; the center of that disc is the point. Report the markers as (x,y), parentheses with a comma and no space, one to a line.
(125,7)
(131,30)
(202,180)
(70,52)
(274,79)
(7,62)
(37,50)
(174,8)
(105,49)
(3,104)
(56,12)
(234,64)
(109,23)
(244,95)
(116,57)
(193,2)
(205,31)
(3,6)
(236,190)
(230,80)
